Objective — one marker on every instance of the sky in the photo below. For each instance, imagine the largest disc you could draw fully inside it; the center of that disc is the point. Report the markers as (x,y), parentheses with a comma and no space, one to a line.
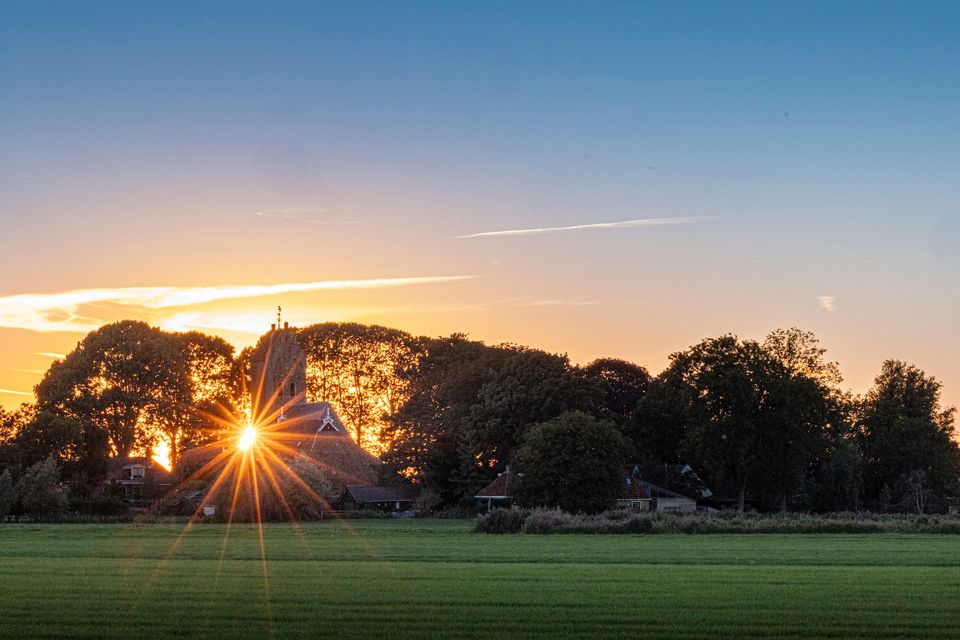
(596,179)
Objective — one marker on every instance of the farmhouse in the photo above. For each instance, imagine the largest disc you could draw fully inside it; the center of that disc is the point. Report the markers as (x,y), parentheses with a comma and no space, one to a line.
(675,488)
(137,476)
(663,487)
(373,497)
(497,493)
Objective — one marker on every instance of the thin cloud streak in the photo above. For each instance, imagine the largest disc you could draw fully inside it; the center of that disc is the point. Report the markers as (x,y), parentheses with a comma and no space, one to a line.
(827,302)
(16,393)
(623,224)
(59,312)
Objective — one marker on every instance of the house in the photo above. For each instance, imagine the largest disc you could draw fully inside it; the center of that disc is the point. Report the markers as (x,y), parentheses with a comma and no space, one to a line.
(674,488)
(662,487)
(141,478)
(497,493)
(374,497)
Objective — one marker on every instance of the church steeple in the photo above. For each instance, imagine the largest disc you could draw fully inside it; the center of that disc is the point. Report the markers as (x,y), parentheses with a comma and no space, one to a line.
(278,368)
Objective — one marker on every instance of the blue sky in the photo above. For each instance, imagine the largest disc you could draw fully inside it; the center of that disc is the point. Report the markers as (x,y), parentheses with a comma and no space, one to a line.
(805,153)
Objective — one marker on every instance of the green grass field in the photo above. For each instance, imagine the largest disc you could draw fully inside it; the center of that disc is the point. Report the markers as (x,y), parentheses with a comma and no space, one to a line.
(435,579)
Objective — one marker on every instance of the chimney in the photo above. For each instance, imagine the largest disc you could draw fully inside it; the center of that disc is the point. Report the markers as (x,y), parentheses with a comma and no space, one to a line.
(286,325)
(273,327)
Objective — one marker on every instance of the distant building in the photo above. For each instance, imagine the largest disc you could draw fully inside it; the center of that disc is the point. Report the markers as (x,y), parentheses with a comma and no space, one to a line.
(140,477)
(663,487)
(373,497)
(497,493)
(279,387)
(675,488)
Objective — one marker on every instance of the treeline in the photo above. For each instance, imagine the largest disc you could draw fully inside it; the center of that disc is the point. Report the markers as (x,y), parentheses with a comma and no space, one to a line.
(764,423)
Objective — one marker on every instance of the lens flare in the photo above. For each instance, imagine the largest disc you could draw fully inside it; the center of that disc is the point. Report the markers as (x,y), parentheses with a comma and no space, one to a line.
(247,439)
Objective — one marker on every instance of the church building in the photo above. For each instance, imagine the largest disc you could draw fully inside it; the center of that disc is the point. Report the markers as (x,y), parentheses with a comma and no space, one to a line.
(278,385)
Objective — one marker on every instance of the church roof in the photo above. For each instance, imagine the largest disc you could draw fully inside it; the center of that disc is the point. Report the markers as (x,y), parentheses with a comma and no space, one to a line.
(311,418)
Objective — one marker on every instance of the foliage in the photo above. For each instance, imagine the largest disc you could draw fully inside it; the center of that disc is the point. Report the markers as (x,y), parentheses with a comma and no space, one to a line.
(800,352)
(574,462)
(359,369)
(470,405)
(8,495)
(903,432)
(622,384)
(544,521)
(40,491)
(127,385)
(306,490)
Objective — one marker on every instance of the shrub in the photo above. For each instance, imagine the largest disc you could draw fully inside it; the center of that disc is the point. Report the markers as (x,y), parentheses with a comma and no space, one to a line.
(545,521)
(502,521)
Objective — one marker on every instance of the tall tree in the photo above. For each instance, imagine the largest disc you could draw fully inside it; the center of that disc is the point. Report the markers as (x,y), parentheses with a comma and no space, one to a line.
(747,420)
(902,429)
(121,378)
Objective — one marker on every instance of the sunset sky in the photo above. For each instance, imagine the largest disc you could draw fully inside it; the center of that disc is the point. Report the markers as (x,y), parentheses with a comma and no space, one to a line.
(616,181)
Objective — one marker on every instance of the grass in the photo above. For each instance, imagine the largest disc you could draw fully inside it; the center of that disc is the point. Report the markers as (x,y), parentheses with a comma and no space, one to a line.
(435,579)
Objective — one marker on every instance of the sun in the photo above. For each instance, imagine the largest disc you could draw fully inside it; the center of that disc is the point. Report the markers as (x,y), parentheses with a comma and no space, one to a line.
(247,438)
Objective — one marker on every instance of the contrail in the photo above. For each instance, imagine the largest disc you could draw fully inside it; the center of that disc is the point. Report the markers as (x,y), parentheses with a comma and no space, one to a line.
(623,224)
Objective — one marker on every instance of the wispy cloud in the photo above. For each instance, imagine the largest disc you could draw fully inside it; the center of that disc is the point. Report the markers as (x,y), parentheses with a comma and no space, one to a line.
(622,224)
(560,303)
(50,354)
(826,302)
(309,215)
(16,393)
(49,312)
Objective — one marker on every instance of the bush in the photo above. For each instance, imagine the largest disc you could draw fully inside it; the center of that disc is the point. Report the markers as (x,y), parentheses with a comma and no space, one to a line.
(545,521)
(502,521)
(40,491)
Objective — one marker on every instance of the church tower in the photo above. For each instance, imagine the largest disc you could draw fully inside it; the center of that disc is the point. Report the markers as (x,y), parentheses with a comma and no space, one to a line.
(278,368)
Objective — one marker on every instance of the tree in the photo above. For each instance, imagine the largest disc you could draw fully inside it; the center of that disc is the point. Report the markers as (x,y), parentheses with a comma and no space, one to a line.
(742,417)
(800,352)
(902,429)
(307,490)
(11,426)
(40,492)
(469,406)
(574,462)
(8,495)
(122,378)
(658,426)
(81,449)
(623,385)
(359,369)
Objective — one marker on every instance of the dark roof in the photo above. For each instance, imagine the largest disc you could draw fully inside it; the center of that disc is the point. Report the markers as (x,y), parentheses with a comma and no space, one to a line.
(366,494)
(499,488)
(676,478)
(118,468)
(633,490)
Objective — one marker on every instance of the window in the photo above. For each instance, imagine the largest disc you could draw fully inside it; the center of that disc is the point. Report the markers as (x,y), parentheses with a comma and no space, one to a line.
(137,472)
(293,389)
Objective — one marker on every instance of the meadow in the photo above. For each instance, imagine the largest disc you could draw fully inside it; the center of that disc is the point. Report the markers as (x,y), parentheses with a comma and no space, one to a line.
(436,579)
